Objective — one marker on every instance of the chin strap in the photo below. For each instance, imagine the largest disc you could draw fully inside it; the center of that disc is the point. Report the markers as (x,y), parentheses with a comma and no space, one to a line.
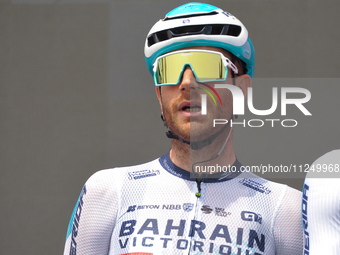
(195,145)
(199,144)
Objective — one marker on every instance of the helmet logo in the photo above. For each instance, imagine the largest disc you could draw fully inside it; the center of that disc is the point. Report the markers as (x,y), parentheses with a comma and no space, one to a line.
(186,21)
(228,15)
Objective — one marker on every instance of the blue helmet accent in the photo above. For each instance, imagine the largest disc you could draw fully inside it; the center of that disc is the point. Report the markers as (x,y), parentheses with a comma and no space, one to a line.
(191,8)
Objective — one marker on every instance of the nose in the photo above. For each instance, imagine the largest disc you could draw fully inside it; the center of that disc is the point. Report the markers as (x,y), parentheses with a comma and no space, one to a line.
(188,80)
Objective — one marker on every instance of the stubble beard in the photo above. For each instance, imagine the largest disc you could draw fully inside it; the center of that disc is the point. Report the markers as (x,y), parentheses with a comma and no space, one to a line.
(173,123)
(193,130)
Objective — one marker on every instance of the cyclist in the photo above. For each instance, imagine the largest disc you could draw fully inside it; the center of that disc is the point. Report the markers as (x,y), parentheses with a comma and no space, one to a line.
(172,205)
(320,206)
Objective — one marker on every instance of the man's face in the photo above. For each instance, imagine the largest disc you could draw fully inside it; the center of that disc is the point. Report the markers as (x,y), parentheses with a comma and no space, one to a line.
(181,104)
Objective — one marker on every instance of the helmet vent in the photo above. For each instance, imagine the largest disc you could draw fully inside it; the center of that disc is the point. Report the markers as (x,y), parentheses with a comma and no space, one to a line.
(211,29)
(233,30)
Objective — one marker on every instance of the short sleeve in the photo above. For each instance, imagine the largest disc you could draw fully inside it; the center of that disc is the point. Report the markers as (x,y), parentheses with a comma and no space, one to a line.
(287,228)
(93,218)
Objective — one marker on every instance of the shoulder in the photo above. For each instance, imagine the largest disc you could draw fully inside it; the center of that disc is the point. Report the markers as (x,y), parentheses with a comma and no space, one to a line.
(278,198)
(320,205)
(113,177)
(326,166)
(283,195)
(288,198)
(291,199)
(323,178)
(331,156)
(103,190)
(286,221)
(323,181)
(266,186)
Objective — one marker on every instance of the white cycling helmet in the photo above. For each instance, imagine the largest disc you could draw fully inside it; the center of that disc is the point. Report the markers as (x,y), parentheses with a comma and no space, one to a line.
(199,24)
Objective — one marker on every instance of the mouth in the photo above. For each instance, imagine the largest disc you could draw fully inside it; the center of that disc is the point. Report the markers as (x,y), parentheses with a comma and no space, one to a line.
(193,108)
(190,109)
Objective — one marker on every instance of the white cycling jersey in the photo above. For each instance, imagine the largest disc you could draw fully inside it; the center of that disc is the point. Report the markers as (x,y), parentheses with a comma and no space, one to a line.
(321,206)
(152,209)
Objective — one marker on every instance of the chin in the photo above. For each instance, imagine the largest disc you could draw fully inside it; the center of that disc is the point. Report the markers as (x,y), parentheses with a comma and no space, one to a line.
(199,132)
(192,130)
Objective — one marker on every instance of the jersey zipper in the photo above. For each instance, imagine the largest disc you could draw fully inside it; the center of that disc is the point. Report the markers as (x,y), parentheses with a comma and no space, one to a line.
(198,195)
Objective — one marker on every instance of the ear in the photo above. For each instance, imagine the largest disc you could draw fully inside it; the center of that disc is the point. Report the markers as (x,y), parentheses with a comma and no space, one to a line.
(243,82)
(159,96)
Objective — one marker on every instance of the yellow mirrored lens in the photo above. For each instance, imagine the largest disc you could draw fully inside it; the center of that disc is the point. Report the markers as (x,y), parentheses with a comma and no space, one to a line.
(169,69)
(206,66)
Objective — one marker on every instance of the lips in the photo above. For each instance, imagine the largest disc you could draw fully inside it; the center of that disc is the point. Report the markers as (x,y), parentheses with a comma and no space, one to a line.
(190,109)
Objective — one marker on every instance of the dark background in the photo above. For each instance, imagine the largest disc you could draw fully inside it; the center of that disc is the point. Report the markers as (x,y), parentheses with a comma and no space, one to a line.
(76,97)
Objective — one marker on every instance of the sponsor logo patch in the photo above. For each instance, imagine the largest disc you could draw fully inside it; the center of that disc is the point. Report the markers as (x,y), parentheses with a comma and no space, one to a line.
(255,186)
(251,216)
(143,174)
(206,209)
(221,212)
(188,207)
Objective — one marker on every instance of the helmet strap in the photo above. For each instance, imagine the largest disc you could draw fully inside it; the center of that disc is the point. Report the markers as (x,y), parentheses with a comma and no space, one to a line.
(233,59)
(199,144)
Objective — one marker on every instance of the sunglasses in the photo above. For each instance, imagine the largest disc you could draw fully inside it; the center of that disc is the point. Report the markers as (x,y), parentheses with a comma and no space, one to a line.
(206,65)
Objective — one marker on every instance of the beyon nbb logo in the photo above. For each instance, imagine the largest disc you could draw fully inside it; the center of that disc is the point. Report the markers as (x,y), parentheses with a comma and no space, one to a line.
(238,105)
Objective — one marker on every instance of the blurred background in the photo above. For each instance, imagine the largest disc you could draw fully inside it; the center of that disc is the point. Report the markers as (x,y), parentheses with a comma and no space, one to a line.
(76,97)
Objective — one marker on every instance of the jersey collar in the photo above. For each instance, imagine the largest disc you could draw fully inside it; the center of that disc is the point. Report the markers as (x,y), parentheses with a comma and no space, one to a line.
(169,166)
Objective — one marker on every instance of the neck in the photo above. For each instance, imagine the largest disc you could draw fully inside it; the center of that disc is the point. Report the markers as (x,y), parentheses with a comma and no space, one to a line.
(182,156)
